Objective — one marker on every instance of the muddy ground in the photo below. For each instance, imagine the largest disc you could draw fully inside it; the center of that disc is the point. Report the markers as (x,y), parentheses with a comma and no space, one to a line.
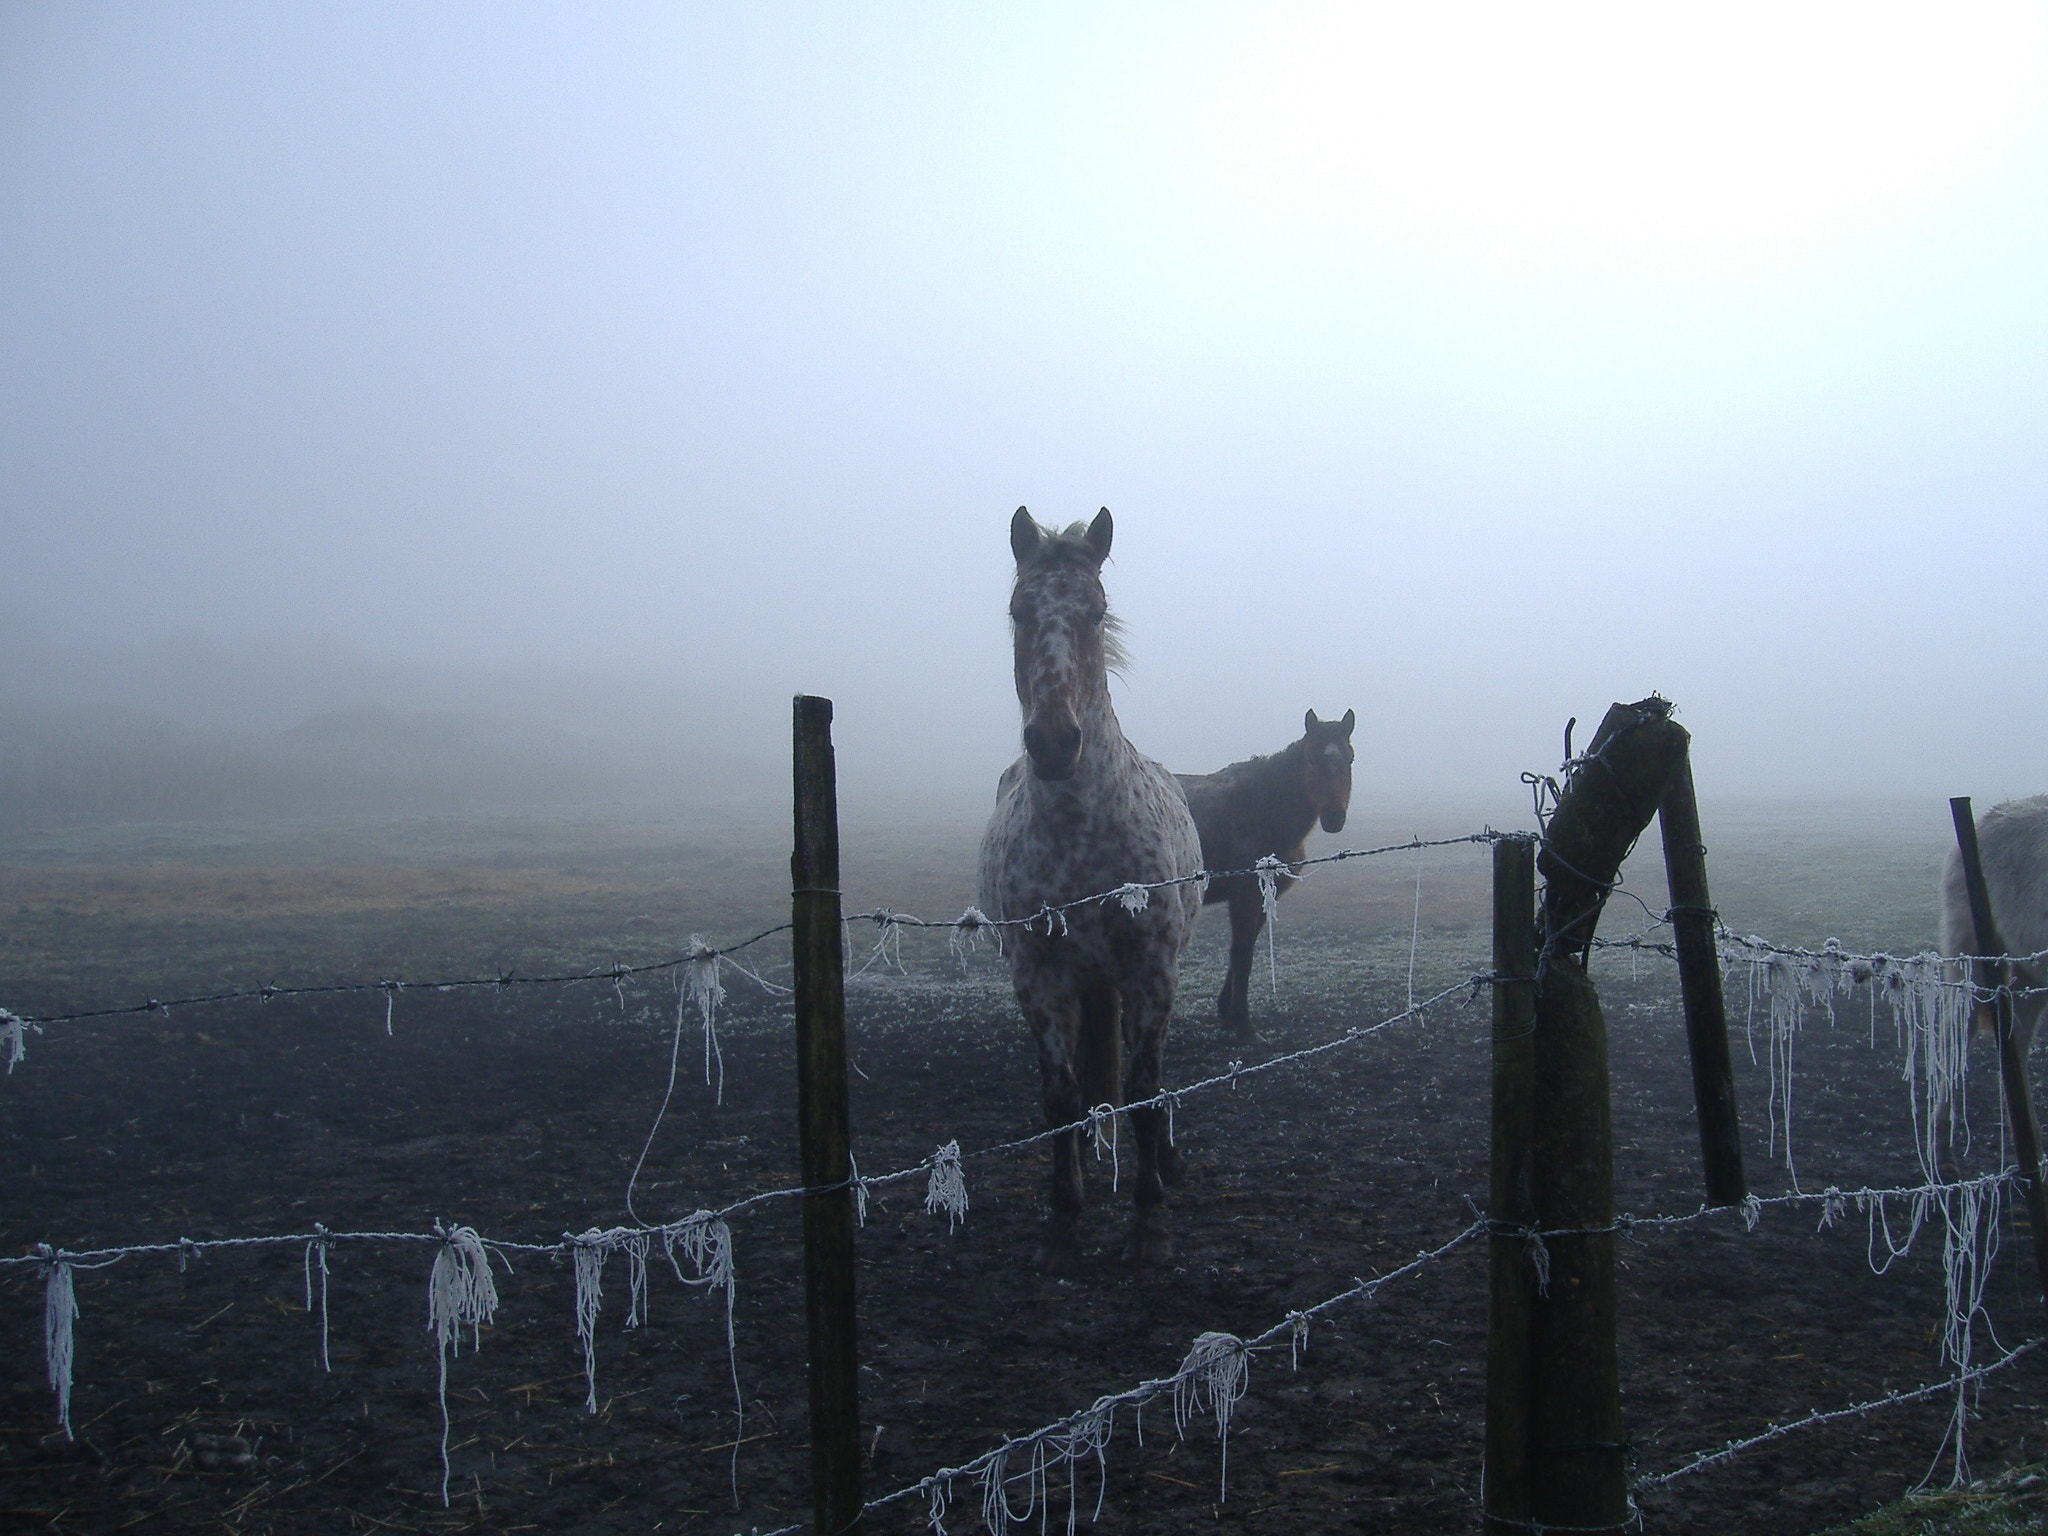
(522,1112)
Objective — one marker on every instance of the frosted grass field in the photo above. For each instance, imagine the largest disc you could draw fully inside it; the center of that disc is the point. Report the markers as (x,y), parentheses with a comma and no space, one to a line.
(97,912)
(227,1119)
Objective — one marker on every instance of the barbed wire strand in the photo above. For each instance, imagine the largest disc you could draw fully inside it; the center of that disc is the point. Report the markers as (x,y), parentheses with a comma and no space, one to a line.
(971,920)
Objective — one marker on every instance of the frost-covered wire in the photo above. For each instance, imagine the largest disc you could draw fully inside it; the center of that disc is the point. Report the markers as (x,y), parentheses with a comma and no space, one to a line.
(1969,1210)
(390,986)
(970,924)
(1931,999)
(1734,1448)
(1212,1378)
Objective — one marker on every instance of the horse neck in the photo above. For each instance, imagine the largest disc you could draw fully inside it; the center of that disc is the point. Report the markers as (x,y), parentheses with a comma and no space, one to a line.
(1107,757)
(1282,802)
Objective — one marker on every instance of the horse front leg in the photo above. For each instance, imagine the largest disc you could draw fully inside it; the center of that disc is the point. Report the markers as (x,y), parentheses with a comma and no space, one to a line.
(1233,1004)
(1054,1028)
(1148,1008)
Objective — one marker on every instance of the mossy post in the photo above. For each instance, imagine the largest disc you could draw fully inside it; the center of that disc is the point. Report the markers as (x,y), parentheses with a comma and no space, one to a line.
(822,1125)
(1577,1472)
(2012,1051)
(1699,981)
(1511,1278)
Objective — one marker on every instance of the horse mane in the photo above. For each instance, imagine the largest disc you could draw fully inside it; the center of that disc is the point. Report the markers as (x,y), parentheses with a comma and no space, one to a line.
(1070,546)
(1261,767)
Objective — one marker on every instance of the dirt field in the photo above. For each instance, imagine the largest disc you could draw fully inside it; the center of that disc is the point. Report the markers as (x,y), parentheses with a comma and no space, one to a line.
(522,1112)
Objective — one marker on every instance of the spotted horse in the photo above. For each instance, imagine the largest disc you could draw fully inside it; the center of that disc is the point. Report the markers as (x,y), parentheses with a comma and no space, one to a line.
(1083,812)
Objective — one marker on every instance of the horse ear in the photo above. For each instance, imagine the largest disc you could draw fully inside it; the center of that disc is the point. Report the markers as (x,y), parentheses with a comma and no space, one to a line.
(1309,722)
(1024,535)
(1350,719)
(1098,535)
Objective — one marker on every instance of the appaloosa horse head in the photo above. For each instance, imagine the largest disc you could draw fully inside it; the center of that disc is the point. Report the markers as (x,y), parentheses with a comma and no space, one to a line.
(1080,814)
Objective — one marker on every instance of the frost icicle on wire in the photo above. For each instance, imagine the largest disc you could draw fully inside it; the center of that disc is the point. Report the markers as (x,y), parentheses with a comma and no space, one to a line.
(1098,1117)
(1297,1338)
(1054,918)
(1930,1011)
(390,989)
(1216,1375)
(888,950)
(14,1031)
(318,1248)
(60,1309)
(968,930)
(1132,898)
(702,987)
(859,1186)
(706,1241)
(1085,1434)
(1970,1215)
(947,1190)
(460,1294)
(1269,869)
(696,982)
(591,1249)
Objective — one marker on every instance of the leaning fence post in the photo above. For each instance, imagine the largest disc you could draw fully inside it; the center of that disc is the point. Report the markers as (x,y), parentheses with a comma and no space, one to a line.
(1699,982)
(1577,1472)
(1504,1485)
(2012,1059)
(822,1125)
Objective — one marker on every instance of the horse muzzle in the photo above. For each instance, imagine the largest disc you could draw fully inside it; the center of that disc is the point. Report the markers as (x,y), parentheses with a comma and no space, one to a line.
(1053,749)
(1333,819)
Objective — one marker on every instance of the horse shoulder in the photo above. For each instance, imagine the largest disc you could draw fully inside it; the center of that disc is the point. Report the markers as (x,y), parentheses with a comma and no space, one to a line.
(1000,842)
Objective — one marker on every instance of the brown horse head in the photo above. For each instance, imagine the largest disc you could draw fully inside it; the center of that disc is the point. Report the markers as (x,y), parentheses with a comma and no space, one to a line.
(1063,637)
(1326,766)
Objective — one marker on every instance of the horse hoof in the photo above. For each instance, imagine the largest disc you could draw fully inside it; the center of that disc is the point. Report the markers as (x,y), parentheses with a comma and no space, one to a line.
(1060,1251)
(1243,1034)
(1150,1243)
(1057,1259)
(1172,1166)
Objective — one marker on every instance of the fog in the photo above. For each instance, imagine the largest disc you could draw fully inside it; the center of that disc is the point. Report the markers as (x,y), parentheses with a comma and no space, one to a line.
(400,404)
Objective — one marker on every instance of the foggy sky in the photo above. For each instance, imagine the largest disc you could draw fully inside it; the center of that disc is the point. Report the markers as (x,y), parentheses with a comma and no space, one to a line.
(1472,369)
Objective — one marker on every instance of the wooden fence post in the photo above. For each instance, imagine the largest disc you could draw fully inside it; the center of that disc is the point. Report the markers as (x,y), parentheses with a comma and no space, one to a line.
(1699,981)
(1577,1471)
(822,1124)
(2012,1059)
(1512,1284)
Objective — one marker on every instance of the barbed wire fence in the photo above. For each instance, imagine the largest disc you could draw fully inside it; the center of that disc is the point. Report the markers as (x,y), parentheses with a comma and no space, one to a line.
(1931,1005)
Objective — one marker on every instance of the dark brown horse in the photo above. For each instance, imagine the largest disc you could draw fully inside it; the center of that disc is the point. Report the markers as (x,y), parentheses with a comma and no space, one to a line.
(1265,806)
